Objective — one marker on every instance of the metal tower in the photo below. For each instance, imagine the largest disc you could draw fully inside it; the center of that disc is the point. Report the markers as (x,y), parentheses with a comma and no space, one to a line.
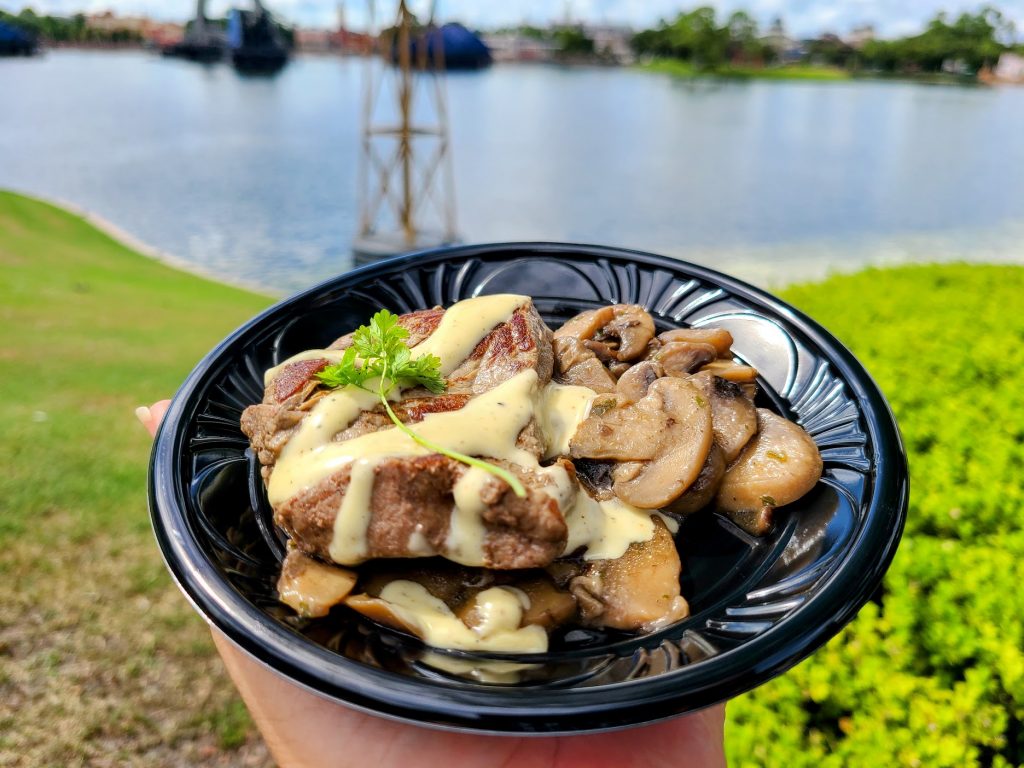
(406,186)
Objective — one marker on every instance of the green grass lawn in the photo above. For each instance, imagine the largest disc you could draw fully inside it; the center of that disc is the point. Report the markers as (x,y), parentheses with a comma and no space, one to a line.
(102,662)
(99,655)
(684,69)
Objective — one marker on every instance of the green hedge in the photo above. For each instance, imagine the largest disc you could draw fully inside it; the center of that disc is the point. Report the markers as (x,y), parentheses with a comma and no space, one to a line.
(932,674)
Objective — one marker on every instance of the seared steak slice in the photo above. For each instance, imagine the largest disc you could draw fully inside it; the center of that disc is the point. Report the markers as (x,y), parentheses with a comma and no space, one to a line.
(521,343)
(414,494)
(419,325)
(412,498)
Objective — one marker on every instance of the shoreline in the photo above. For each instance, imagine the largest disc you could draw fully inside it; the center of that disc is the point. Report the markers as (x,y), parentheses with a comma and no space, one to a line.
(132,242)
(758,265)
(684,70)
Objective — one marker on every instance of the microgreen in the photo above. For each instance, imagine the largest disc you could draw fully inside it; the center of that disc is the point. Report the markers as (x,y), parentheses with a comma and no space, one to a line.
(379,354)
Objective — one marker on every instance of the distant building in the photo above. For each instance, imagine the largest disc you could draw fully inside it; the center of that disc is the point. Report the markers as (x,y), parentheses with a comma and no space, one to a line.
(861,35)
(313,40)
(612,42)
(156,32)
(342,41)
(1009,68)
(515,46)
(786,48)
(956,67)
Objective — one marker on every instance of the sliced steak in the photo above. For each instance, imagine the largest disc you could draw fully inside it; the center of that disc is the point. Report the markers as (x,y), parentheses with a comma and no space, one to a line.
(412,498)
(521,343)
(419,325)
(413,495)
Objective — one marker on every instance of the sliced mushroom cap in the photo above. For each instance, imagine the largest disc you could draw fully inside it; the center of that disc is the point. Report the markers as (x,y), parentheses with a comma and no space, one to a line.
(634,383)
(569,351)
(586,324)
(732,371)
(575,364)
(632,327)
(380,611)
(619,332)
(777,467)
(704,488)
(590,373)
(681,358)
(596,477)
(549,606)
(733,415)
(682,451)
(719,338)
(632,432)
(639,590)
(312,588)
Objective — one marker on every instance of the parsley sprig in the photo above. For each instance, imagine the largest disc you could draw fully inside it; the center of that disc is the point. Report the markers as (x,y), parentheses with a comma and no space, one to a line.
(379,352)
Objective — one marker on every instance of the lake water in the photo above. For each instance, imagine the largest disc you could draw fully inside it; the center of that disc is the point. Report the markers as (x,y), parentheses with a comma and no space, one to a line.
(255,179)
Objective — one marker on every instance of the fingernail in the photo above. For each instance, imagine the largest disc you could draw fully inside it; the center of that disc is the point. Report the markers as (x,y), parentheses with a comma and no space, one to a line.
(143,415)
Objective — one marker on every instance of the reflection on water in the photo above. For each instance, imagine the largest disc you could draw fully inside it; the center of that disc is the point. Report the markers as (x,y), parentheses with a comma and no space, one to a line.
(255,178)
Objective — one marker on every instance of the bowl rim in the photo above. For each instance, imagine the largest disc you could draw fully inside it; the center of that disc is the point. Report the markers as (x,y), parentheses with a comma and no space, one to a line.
(548,711)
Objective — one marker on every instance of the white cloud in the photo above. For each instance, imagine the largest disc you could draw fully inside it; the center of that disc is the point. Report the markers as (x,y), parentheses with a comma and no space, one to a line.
(803,17)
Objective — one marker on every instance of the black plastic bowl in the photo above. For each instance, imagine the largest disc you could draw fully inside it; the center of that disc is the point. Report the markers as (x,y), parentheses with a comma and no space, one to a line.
(758,605)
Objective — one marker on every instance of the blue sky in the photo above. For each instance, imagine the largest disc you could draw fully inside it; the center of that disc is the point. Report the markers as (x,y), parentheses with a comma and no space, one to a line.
(803,17)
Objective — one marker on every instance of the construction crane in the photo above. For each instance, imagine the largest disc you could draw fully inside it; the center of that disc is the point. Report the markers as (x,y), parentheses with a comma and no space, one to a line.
(406,186)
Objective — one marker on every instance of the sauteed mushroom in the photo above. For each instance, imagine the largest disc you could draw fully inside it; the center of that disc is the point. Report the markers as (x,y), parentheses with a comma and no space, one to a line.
(634,383)
(719,338)
(680,358)
(777,467)
(311,587)
(619,332)
(640,590)
(733,415)
(669,430)
(575,364)
(704,488)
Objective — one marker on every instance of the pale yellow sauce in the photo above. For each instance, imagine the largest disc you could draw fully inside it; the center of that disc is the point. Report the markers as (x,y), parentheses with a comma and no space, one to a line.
(464,325)
(562,408)
(466,531)
(487,426)
(484,670)
(607,528)
(433,621)
(349,545)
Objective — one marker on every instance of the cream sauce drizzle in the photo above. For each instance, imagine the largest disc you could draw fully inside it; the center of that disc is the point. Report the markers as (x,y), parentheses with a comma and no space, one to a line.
(607,528)
(501,609)
(466,531)
(484,670)
(562,408)
(487,426)
(349,545)
(464,325)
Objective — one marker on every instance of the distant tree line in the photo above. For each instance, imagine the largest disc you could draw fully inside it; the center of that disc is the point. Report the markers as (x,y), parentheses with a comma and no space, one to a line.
(972,41)
(71,29)
(696,36)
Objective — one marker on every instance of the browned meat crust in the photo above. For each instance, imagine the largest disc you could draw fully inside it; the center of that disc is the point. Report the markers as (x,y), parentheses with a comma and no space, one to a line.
(414,495)
(419,325)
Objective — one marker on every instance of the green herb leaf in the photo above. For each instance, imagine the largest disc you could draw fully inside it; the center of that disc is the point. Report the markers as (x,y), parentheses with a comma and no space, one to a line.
(379,351)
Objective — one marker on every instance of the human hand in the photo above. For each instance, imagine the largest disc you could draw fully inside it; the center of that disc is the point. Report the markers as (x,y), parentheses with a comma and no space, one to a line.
(302,729)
